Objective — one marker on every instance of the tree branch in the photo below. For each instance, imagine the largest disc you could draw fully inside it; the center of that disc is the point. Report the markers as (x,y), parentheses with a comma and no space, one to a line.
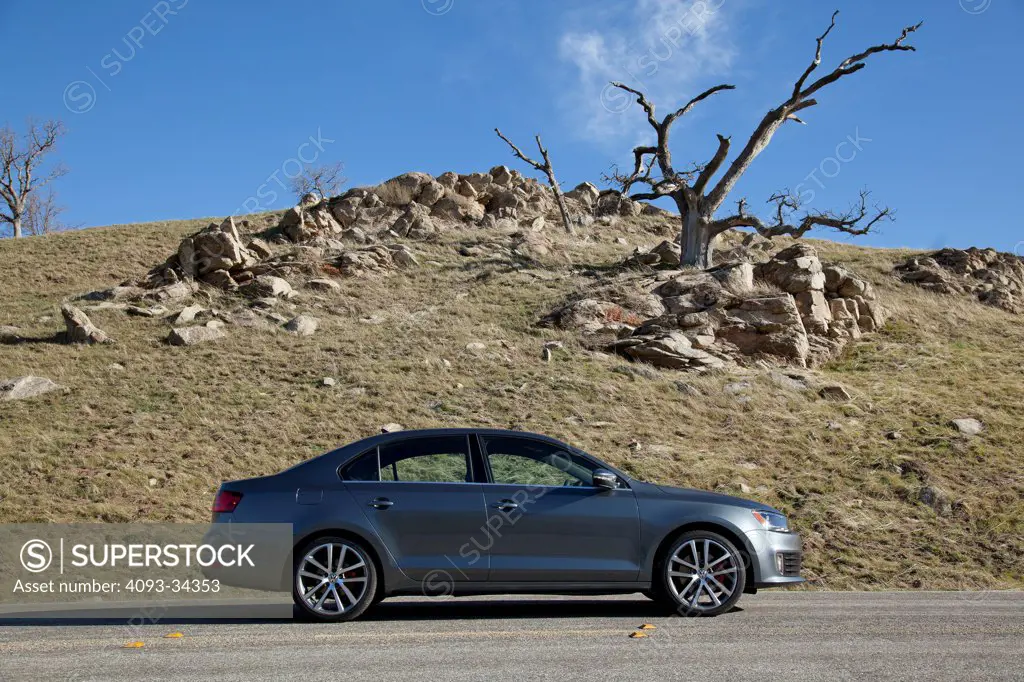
(797,101)
(685,109)
(713,165)
(786,203)
(642,101)
(548,171)
(519,153)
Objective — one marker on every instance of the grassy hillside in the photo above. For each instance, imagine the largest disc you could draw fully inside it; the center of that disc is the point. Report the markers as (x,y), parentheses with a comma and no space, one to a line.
(147,431)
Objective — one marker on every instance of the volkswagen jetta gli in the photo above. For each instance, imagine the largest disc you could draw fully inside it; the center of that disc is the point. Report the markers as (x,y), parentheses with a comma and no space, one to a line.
(477,511)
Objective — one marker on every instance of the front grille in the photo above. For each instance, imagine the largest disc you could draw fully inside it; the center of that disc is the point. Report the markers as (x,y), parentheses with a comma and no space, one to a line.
(791,563)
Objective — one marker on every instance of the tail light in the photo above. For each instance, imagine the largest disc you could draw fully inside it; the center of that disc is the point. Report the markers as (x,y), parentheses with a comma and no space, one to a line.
(226,501)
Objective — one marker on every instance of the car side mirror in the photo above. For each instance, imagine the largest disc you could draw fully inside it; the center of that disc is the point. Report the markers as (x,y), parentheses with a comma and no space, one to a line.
(605,480)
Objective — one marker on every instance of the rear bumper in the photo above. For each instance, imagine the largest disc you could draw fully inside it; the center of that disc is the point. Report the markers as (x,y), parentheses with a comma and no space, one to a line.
(773,550)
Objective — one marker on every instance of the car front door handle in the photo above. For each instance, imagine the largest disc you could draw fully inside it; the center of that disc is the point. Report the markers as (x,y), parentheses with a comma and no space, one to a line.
(506,505)
(381,503)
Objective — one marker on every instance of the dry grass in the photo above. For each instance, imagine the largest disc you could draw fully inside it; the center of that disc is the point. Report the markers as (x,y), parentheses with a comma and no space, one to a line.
(252,403)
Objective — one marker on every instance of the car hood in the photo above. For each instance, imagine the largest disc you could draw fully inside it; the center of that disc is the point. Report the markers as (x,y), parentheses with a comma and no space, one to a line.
(690,495)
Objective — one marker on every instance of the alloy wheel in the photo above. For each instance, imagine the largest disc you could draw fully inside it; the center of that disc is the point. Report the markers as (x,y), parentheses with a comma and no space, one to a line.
(703,574)
(331,579)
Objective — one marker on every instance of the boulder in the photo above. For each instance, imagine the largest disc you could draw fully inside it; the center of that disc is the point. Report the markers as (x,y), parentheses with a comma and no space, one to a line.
(968,426)
(736,277)
(26,387)
(501,175)
(415,222)
(191,336)
(673,351)
(80,328)
(188,314)
(794,270)
(303,325)
(267,286)
(835,392)
(585,193)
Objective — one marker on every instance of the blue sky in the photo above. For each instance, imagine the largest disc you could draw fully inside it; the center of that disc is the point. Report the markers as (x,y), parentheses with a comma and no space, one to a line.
(184,108)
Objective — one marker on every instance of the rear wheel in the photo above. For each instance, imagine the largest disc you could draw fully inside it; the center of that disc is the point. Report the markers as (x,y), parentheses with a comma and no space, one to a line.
(334,579)
(702,574)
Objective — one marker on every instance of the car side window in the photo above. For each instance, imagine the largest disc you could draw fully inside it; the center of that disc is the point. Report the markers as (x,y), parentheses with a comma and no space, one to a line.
(522,461)
(437,459)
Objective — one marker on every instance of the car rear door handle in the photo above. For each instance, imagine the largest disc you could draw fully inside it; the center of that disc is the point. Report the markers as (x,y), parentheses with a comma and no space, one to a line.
(381,503)
(506,505)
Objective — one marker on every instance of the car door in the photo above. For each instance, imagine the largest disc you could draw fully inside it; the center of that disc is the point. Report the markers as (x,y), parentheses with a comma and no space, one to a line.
(420,496)
(549,523)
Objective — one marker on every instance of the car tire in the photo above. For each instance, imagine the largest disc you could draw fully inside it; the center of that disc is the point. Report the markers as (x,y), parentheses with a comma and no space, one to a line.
(327,575)
(701,574)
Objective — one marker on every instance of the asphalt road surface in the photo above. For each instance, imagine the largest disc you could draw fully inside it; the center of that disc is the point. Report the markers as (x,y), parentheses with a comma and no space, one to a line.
(772,636)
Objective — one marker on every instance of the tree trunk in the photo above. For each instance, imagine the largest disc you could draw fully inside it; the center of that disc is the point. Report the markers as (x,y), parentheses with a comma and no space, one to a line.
(17,226)
(695,239)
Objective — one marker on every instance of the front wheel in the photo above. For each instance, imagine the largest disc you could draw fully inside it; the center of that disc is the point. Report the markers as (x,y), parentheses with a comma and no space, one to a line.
(703,574)
(334,579)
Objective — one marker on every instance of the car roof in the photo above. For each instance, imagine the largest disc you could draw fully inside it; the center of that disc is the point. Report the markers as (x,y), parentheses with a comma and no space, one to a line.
(456,431)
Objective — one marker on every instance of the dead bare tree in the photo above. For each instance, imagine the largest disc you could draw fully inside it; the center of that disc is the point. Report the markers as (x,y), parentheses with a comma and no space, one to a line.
(323,180)
(20,164)
(689,188)
(42,214)
(548,171)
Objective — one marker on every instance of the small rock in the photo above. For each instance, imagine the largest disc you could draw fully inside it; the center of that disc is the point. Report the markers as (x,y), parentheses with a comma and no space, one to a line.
(190,336)
(635,446)
(793,383)
(323,285)
(391,428)
(140,311)
(188,315)
(329,381)
(936,499)
(9,334)
(476,347)
(968,426)
(80,327)
(621,241)
(115,367)
(737,387)
(303,325)
(745,489)
(26,387)
(215,324)
(894,435)
(833,426)
(260,248)
(546,354)
(267,286)
(835,392)
(688,389)
(153,482)
(637,370)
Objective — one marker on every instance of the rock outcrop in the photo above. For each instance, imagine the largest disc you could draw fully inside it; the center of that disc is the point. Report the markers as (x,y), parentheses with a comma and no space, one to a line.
(80,328)
(23,388)
(994,278)
(791,308)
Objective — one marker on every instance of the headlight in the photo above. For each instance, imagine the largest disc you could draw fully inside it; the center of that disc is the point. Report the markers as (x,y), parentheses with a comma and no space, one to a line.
(771,520)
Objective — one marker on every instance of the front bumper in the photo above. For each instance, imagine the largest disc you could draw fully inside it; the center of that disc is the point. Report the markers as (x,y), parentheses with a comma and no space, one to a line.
(773,551)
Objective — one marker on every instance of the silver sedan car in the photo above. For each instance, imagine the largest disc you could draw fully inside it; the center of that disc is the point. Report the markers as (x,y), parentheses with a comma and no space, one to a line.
(481,511)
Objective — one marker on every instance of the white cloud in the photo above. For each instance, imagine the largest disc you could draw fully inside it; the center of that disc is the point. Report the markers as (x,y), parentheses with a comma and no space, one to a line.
(668,49)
